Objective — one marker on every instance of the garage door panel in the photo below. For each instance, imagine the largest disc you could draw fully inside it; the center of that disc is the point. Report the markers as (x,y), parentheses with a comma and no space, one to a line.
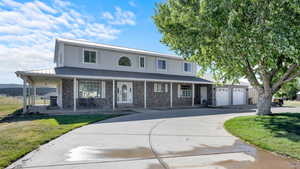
(222,96)
(239,96)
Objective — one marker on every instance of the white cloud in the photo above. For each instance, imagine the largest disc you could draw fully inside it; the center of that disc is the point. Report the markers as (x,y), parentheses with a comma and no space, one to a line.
(61,3)
(28,30)
(132,3)
(119,17)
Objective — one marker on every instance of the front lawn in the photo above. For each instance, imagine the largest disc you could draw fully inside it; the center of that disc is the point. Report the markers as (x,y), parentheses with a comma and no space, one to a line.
(292,103)
(279,133)
(22,134)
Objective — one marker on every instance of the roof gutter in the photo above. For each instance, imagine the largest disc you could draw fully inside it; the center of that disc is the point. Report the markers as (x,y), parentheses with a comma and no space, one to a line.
(107,78)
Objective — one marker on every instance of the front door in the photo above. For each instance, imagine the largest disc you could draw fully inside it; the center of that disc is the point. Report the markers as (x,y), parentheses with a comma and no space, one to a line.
(124,92)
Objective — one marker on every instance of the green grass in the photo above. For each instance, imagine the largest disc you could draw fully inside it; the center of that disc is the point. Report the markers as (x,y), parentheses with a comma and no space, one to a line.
(292,103)
(20,135)
(23,134)
(279,133)
(9,105)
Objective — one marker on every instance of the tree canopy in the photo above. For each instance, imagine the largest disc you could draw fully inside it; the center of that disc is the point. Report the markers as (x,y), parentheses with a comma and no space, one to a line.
(255,39)
(235,38)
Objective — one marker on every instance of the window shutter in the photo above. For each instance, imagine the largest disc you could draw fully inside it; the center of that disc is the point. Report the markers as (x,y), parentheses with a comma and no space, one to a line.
(179,91)
(103,89)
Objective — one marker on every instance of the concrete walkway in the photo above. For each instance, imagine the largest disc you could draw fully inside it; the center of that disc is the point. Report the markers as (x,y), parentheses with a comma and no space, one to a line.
(177,139)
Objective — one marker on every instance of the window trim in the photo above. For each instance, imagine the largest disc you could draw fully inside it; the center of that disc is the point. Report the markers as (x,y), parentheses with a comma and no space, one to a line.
(140,62)
(157,68)
(187,63)
(155,87)
(122,65)
(92,50)
(101,88)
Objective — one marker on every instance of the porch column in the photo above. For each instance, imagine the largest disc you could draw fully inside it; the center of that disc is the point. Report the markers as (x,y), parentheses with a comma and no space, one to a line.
(24,97)
(145,94)
(113,93)
(74,94)
(171,94)
(193,94)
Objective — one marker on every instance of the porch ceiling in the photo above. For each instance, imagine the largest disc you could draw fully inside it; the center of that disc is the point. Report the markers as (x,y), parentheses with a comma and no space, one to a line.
(73,72)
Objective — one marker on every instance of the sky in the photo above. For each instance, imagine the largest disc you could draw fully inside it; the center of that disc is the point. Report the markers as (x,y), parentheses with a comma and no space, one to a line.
(28,29)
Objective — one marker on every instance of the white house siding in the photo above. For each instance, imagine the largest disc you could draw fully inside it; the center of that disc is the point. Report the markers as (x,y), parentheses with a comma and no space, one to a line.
(107,59)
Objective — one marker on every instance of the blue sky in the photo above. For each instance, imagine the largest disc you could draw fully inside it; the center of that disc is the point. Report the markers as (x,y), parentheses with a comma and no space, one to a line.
(28,29)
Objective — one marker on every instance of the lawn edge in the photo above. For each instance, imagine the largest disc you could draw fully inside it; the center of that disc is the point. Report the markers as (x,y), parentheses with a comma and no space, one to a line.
(47,141)
(286,156)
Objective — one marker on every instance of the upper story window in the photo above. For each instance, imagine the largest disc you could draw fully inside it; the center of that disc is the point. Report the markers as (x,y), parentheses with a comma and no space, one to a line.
(161,64)
(89,56)
(124,61)
(187,67)
(142,62)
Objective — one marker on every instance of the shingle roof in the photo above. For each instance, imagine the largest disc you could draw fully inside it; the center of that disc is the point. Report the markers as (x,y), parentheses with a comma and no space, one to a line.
(110,74)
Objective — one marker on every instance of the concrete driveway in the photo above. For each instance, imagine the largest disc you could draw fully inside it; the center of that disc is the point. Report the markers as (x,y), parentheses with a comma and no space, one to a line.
(177,139)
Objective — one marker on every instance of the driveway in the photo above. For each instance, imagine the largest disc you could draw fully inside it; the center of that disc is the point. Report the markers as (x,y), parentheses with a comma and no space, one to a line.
(170,139)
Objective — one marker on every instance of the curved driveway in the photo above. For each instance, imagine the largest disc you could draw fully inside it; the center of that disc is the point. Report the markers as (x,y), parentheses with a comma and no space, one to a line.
(177,139)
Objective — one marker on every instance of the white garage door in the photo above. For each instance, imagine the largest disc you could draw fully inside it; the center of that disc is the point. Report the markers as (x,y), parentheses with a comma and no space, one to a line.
(239,96)
(222,95)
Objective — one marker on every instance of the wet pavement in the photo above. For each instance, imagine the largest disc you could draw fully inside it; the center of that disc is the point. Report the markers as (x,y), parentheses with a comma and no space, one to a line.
(177,139)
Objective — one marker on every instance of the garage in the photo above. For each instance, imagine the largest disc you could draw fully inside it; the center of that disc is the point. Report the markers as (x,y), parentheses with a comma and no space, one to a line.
(238,96)
(222,96)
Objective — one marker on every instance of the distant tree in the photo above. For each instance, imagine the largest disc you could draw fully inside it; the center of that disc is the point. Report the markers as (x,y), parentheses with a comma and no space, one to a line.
(254,39)
(289,90)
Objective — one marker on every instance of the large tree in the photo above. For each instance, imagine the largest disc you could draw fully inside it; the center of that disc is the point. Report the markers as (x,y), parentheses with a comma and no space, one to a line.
(255,39)
(289,90)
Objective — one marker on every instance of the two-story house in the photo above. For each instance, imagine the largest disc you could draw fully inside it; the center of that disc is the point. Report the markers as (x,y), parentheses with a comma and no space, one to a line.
(97,76)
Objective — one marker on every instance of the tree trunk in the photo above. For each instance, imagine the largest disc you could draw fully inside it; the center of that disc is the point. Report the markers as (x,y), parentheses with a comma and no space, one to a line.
(264,103)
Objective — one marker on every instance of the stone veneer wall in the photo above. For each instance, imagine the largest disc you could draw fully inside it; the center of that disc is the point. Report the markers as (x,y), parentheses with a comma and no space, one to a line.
(158,99)
(67,93)
(138,94)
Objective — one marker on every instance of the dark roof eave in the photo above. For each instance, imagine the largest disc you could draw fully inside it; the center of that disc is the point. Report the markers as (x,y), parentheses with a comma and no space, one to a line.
(118,75)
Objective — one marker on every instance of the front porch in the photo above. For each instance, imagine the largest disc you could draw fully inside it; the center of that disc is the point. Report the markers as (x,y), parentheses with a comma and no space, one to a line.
(98,93)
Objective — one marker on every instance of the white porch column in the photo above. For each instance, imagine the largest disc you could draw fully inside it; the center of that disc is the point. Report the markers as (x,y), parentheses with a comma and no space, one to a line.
(171,94)
(193,94)
(74,94)
(145,94)
(113,93)
(24,96)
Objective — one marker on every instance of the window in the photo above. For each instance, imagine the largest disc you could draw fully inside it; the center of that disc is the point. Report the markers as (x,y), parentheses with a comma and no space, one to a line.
(89,56)
(157,88)
(185,91)
(91,89)
(187,67)
(142,62)
(161,64)
(124,61)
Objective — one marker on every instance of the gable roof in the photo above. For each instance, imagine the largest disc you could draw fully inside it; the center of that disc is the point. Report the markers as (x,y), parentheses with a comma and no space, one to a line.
(112,47)
(74,72)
